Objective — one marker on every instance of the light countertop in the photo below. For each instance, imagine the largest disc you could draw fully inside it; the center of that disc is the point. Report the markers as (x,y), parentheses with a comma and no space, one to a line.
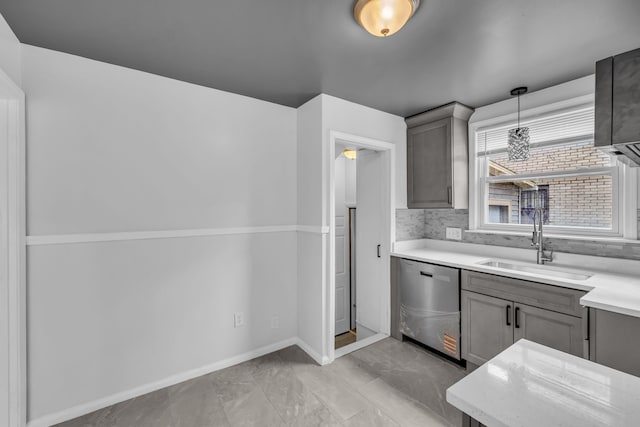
(529,384)
(614,284)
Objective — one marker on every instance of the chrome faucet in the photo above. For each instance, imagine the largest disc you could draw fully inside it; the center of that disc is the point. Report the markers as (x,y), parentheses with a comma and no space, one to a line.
(537,239)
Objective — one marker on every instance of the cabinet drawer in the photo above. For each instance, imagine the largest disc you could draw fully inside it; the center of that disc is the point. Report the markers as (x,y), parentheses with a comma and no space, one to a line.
(540,295)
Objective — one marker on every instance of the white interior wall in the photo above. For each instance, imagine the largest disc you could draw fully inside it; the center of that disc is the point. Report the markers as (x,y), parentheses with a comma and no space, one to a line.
(116,150)
(354,119)
(10,53)
(312,240)
(316,119)
(12,371)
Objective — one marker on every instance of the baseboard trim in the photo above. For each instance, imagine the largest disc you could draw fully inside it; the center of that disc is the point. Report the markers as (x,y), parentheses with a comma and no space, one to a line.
(320,360)
(88,407)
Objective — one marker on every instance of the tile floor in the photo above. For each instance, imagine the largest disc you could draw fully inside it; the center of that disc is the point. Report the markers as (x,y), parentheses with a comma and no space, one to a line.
(389,383)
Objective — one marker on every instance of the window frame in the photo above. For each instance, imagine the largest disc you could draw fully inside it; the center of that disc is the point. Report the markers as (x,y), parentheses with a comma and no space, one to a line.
(624,182)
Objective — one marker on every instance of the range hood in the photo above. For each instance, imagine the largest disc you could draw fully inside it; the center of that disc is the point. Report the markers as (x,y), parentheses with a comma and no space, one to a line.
(628,153)
(617,112)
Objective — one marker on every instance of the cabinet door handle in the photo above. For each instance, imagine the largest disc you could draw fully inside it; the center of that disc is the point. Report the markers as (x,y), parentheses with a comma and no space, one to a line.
(449,194)
(509,315)
(378,251)
(422,273)
(517,317)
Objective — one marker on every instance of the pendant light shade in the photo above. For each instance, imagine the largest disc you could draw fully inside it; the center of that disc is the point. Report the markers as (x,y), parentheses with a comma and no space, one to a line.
(384,17)
(518,143)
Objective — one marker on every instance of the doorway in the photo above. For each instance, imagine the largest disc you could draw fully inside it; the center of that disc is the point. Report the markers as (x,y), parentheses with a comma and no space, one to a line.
(360,238)
(345,247)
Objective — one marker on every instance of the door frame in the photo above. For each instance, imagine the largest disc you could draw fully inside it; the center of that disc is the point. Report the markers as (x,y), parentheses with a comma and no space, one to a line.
(13,284)
(389,150)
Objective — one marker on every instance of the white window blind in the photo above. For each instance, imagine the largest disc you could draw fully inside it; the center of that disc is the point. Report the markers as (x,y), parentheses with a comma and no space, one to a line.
(572,126)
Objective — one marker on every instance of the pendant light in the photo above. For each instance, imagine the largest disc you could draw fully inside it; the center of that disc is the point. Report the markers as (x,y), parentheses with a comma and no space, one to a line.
(518,144)
(384,17)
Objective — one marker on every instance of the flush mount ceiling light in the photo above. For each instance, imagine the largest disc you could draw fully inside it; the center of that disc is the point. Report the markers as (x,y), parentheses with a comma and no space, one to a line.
(518,144)
(384,17)
(349,154)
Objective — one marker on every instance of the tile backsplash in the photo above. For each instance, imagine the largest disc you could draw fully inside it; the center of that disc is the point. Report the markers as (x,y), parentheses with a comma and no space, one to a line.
(431,223)
(409,224)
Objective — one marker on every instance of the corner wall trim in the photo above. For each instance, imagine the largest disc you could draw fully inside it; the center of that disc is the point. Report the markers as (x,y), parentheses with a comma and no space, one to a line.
(62,239)
(88,407)
(320,360)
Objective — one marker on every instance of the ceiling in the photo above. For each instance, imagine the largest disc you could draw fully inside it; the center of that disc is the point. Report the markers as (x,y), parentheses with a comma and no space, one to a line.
(288,51)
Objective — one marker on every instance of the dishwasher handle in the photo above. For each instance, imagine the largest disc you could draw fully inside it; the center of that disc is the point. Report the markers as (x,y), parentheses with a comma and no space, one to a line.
(424,273)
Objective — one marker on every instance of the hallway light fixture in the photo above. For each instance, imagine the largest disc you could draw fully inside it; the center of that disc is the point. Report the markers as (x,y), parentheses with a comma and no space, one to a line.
(383,18)
(518,143)
(349,154)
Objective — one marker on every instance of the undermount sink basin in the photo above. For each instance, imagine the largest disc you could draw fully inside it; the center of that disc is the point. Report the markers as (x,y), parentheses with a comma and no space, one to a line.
(537,269)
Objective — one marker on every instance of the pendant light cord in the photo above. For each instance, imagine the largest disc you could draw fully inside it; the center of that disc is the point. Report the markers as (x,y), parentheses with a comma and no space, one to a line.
(518,110)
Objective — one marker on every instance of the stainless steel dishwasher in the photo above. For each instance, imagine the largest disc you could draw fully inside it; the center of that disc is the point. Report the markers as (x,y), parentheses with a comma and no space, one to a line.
(430,305)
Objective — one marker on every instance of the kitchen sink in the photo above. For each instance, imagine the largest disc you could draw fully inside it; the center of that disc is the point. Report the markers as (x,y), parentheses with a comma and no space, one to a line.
(537,269)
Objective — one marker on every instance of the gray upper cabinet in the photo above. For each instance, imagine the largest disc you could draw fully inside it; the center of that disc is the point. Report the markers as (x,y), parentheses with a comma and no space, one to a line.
(437,158)
(617,112)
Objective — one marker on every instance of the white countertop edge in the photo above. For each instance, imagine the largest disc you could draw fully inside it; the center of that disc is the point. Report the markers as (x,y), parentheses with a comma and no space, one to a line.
(566,283)
(590,301)
(472,411)
(605,290)
(521,359)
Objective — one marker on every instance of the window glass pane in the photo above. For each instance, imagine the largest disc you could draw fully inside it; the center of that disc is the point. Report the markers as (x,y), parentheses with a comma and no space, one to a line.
(583,201)
(577,155)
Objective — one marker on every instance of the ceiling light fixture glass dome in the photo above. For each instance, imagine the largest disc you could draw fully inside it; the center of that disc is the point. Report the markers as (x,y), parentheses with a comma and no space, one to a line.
(383,18)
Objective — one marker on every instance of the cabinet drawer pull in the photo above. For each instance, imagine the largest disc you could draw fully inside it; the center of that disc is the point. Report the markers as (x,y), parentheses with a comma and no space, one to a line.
(422,273)
(509,315)
(517,317)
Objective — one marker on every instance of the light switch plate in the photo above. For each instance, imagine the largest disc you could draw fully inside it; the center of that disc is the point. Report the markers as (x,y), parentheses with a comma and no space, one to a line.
(454,233)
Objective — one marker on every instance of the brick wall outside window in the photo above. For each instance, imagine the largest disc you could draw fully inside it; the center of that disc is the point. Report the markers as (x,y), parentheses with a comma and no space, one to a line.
(579,201)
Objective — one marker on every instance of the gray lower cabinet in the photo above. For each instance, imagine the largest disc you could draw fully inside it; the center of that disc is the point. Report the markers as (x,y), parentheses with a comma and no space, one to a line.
(555,330)
(615,340)
(490,325)
(497,311)
(486,327)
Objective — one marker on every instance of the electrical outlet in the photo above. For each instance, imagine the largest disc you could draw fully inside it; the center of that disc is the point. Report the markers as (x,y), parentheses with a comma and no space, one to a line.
(275,322)
(454,233)
(238,319)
